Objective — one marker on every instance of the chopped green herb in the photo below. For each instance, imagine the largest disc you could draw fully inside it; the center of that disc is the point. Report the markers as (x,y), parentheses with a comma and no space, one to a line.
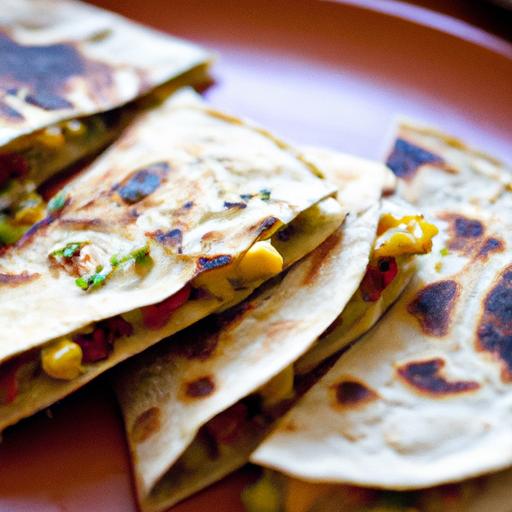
(265,194)
(83,283)
(56,203)
(139,256)
(97,280)
(444,251)
(69,250)
(93,281)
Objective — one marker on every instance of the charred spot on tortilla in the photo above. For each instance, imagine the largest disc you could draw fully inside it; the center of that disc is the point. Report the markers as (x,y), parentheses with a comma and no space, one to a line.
(200,388)
(209,263)
(240,206)
(406,158)
(38,226)
(17,279)
(433,306)
(489,246)
(320,256)
(146,424)
(172,238)
(45,71)
(76,223)
(494,333)
(9,113)
(426,377)
(142,183)
(465,233)
(265,225)
(351,393)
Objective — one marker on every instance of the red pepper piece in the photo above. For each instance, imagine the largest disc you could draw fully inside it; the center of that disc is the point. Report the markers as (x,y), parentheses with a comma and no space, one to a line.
(377,278)
(226,426)
(12,165)
(98,344)
(157,315)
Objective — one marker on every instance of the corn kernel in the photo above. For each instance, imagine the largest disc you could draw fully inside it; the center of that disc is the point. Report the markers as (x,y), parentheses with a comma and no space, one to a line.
(62,360)
(52,137)
(261,261)
(278,388)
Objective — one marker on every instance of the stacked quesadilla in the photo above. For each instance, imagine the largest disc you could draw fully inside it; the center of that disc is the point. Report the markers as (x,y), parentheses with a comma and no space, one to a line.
(422,399)
(197,405)
(67,71)
(178,219)
(343,324)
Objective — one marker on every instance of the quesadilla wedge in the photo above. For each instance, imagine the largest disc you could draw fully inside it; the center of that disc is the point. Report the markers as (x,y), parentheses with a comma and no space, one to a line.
(197,405)
(424,398)
(66,70)
(178,219)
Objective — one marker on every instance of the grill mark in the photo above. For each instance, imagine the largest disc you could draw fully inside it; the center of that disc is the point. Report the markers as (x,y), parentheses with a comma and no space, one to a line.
(172,239)
(494,334)
(146,424)
(239,206)
(433,306)
(490,245)
(45,72)
(320,256)
(406,158)
(141,183)
(209,263)
(426,377)
(82,223)
(200,388)
(14,280)
(350,393)
(465,233)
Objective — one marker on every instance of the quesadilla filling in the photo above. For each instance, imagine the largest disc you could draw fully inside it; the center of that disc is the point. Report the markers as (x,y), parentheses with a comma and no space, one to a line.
(391,266)
(29,161)
(273,492)
(67,358)
(231,432)
(71,356)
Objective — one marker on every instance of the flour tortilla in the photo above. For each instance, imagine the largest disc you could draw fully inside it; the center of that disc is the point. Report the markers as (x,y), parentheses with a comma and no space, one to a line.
(435,168)
(65,59)
(424,398)
(207,161)
(264,335)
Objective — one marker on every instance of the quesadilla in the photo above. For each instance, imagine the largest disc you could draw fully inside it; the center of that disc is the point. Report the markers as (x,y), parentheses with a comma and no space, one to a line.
(424,398)
(181,217)
(196,406)
(66,70)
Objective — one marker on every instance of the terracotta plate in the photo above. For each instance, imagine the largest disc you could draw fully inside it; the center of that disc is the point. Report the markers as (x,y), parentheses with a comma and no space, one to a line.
(331,73)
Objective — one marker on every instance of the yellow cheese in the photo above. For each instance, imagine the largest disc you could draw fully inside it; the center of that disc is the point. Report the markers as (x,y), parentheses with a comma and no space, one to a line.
(261,261)
(406,235)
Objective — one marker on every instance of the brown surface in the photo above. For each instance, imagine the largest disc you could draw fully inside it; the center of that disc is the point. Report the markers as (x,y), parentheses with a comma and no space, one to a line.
(318,72)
